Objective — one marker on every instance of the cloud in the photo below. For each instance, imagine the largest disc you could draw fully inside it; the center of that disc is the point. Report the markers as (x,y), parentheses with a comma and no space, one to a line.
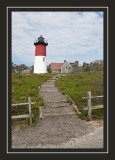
(71,35)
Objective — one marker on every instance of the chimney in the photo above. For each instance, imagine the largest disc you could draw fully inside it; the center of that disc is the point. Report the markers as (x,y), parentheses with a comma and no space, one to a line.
(64,61)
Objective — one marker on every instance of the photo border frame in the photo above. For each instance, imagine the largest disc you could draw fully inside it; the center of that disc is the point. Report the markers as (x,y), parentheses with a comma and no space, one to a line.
(8,69)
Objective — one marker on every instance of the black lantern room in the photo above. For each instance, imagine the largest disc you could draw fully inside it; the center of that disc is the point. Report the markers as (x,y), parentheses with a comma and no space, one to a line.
(41,40)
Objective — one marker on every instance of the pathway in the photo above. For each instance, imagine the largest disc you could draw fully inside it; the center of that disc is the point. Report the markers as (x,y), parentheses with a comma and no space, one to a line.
(55,102)
(60,127)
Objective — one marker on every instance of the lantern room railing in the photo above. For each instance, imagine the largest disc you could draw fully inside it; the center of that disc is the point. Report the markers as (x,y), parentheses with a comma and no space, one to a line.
(41,41)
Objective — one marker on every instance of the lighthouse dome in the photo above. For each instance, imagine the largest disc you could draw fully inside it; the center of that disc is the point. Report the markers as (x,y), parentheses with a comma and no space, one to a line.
(40,40)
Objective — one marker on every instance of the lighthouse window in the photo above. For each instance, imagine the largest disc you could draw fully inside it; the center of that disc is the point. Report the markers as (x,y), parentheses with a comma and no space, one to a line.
(43,59)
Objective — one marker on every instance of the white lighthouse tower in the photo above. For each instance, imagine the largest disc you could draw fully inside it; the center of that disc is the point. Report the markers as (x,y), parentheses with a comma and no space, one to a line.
(40,55)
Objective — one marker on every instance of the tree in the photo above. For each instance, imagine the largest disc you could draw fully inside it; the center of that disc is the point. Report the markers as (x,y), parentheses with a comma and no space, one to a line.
(18,68)
(97,65)
(13,67)
(86,66)
(32,69)
(21,67)
(75,67)
(49,68)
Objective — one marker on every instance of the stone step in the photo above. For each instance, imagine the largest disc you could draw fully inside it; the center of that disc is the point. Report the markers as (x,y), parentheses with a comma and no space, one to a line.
(56,101)
(54,79)
(53,96)
(50,80)
(54,115)
(49,83)
(54,105)
(49,90)
(57,110)
(47,86)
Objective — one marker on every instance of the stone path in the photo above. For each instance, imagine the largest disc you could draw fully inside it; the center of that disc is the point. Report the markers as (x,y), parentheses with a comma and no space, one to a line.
(55,102)
(59,127)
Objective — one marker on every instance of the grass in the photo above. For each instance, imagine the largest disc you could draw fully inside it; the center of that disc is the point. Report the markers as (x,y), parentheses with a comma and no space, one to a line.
(68,100)
(76,87)
(24,86)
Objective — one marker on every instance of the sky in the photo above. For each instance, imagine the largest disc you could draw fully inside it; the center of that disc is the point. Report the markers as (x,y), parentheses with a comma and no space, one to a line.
(71,36)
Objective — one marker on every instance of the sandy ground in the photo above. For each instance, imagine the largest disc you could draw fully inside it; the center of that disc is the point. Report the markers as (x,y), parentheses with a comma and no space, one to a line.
(91,140)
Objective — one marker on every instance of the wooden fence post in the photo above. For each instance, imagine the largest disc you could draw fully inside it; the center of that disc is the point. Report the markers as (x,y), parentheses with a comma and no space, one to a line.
(89,104)
(29,101)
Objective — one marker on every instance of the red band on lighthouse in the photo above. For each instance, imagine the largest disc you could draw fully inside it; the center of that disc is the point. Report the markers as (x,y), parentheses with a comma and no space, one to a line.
(40,50)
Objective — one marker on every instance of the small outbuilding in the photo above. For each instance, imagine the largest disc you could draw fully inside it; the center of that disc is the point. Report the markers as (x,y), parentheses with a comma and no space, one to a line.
(61,67)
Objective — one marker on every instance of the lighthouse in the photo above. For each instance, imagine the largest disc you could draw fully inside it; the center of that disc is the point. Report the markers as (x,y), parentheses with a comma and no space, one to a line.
(40,55)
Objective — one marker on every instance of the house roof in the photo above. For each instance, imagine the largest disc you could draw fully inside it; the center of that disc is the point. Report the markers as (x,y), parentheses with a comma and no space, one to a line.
(56,65)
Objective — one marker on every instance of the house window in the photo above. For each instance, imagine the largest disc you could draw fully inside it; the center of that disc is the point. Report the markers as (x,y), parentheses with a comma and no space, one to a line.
(66,67)
(43,59)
